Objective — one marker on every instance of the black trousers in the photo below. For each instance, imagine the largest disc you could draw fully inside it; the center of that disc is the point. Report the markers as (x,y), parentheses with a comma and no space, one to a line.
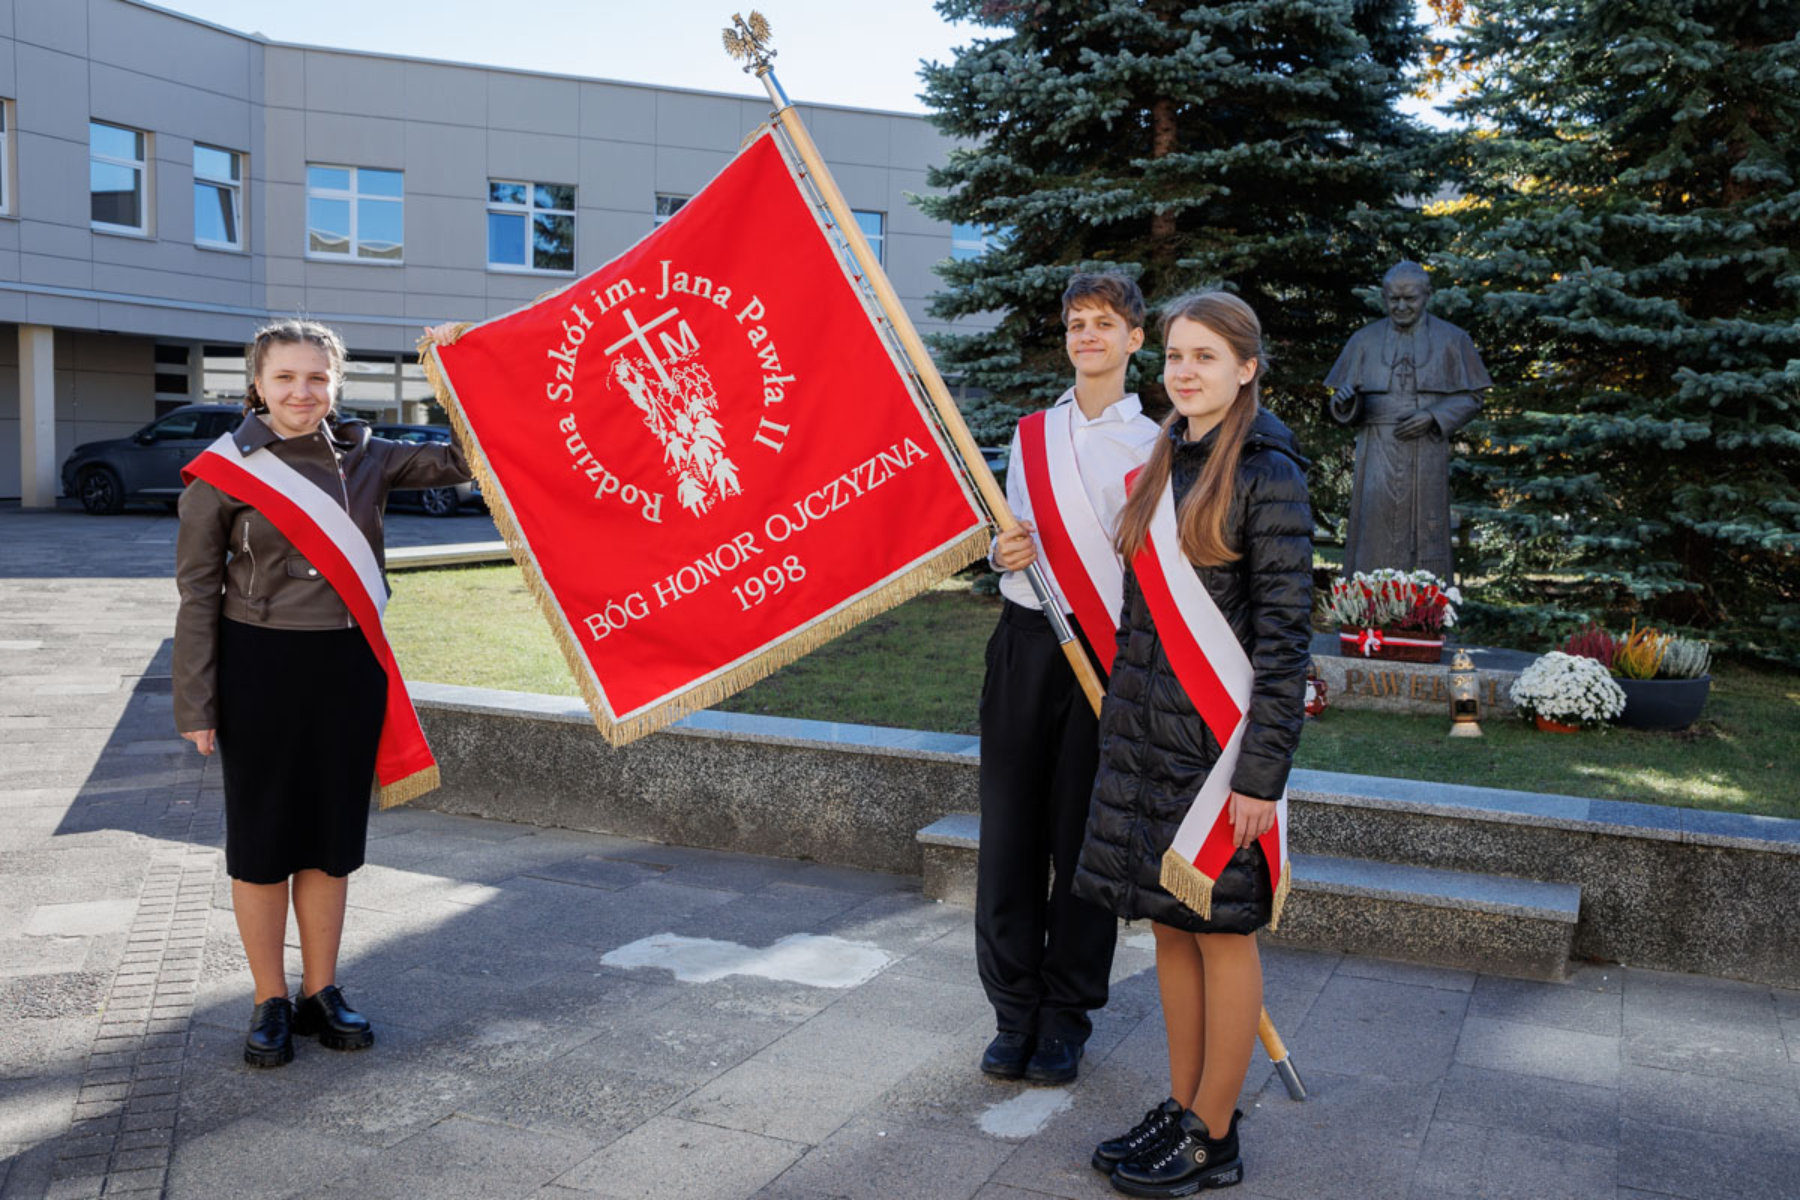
(1044,955)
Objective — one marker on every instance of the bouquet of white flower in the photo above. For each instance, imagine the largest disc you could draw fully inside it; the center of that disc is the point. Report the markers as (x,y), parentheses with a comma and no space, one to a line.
(1568,690)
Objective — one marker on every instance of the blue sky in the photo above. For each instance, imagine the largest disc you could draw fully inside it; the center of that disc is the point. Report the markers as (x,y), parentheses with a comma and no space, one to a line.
(856,52)
(837,52)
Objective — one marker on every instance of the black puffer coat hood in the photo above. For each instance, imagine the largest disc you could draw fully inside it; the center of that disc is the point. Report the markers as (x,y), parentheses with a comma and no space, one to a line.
(1154,749)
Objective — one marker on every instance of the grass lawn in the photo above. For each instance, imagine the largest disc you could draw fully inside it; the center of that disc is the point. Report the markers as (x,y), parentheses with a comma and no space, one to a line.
(920,665)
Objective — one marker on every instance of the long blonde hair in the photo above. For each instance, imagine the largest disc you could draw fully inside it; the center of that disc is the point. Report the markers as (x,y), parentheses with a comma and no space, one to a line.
(1205,512)
(288,333)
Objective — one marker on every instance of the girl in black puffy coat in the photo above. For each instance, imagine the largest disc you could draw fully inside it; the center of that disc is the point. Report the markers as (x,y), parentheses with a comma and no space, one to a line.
(1245,530)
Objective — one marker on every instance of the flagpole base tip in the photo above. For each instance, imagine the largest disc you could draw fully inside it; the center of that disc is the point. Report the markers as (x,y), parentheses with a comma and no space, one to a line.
(1290,1079)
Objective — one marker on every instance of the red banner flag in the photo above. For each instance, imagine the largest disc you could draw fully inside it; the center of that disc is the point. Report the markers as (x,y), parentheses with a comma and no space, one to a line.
(705,457)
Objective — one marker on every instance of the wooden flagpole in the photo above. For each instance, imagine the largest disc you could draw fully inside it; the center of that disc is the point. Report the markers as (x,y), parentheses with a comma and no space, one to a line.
(749,40)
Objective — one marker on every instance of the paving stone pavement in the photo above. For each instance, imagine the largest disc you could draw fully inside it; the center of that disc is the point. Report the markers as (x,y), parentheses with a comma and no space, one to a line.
(512,1060)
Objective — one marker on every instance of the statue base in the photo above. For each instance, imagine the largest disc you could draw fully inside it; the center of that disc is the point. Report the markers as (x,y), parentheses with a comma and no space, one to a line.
(1354,680)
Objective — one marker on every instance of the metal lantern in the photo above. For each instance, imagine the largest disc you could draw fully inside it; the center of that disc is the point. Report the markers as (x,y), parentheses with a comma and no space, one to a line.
(1465,697)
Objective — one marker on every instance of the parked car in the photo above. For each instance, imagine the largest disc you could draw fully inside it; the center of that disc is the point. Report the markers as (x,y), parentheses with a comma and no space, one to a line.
(439,502)
(147,465)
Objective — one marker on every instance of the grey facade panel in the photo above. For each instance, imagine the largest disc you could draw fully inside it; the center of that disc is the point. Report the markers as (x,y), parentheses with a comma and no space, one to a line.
(618,112)
(61,26)
(448,127)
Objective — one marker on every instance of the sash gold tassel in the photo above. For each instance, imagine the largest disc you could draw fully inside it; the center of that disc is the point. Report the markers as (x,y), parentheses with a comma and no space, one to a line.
(1183,880)
(1281,894)
(410,787)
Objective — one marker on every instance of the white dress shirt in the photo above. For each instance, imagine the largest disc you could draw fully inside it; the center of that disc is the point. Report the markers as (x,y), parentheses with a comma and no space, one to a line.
(1107,448)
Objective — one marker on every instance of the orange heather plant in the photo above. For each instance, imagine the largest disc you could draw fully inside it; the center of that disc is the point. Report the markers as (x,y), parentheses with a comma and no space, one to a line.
(1640,655)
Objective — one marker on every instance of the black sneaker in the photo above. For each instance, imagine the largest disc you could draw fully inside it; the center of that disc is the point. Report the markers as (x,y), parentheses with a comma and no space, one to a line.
(1054,1061)
(1146,1135)
(338,1026)
(1188,1161)
(271,1039)
(1006,1055)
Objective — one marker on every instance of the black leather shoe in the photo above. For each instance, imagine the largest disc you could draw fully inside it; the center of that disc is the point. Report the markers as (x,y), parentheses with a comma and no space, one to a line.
(1188,1161)
(1054,1061)
(271,1039)
(338,1026)
(1147,1134)
(1006,1055)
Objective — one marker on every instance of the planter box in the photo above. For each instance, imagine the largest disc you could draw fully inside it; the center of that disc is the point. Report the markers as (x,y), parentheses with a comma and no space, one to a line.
(1662,703)
(1390,645)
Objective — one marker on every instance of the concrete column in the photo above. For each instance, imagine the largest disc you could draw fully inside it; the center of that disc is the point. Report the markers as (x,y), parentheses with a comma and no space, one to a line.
(38,483)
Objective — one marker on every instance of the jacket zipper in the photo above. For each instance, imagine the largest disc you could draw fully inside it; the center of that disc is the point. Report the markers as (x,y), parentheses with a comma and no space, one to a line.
(250,591)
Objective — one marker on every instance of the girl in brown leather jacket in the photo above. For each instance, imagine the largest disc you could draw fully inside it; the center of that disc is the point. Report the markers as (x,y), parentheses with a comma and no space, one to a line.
(271,671)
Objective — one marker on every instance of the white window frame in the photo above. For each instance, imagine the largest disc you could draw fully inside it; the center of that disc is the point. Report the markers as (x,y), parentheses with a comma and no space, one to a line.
(657,216)
(878,243)
(6,158)
(141,166)
(353,196)
(236,189)
(528,210)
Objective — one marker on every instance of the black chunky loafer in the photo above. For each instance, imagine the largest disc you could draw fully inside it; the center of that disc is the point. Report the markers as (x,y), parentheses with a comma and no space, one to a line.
(337,1025)
(271,1039)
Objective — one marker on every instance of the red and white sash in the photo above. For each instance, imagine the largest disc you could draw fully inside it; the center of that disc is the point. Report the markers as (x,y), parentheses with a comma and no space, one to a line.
(329,540)
(1216,675)
(1077,547)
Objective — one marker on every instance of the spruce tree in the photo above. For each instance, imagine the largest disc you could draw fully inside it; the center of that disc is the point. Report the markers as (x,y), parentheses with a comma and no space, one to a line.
(1252,144)
(1628,261)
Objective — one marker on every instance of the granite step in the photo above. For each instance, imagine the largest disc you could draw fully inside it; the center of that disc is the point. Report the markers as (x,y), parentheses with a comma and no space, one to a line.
(454,554)
(1493,923)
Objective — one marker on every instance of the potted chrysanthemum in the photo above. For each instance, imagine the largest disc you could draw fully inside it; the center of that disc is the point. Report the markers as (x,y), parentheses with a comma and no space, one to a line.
(1567,692)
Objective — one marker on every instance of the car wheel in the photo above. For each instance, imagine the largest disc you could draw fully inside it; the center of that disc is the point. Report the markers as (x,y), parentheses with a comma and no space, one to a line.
(100,491)
(440,502)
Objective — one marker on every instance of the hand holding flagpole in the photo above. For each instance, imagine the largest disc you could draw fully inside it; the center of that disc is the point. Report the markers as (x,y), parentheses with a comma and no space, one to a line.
(747,39)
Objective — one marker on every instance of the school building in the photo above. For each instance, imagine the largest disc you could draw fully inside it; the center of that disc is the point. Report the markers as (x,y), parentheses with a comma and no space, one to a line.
(167,185)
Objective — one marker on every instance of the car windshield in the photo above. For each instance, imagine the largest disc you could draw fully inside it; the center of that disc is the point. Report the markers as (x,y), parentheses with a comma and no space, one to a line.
(175,425)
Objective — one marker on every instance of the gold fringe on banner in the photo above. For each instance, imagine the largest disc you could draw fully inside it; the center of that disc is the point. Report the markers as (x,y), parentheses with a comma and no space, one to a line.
(948,561)
(410,787)
(1183,880)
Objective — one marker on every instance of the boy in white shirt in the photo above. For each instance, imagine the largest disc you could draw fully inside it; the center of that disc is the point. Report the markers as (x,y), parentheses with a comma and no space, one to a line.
(1044,956)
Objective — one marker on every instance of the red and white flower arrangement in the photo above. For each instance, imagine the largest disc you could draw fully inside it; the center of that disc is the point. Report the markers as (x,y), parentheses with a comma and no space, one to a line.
(1401,601)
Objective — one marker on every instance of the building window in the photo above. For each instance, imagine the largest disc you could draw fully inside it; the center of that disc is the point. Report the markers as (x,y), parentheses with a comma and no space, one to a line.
(118,161)
(355,212)
(531,226)
(667,205)
(222,372)
(6,183)
(173,384)
(218,198)
(873,224)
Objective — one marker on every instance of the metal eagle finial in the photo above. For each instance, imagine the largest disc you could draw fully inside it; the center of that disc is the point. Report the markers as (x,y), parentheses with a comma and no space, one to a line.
(749,40)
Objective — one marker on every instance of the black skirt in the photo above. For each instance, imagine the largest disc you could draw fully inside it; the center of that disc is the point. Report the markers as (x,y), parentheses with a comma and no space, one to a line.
(300,714)
(1242,897)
